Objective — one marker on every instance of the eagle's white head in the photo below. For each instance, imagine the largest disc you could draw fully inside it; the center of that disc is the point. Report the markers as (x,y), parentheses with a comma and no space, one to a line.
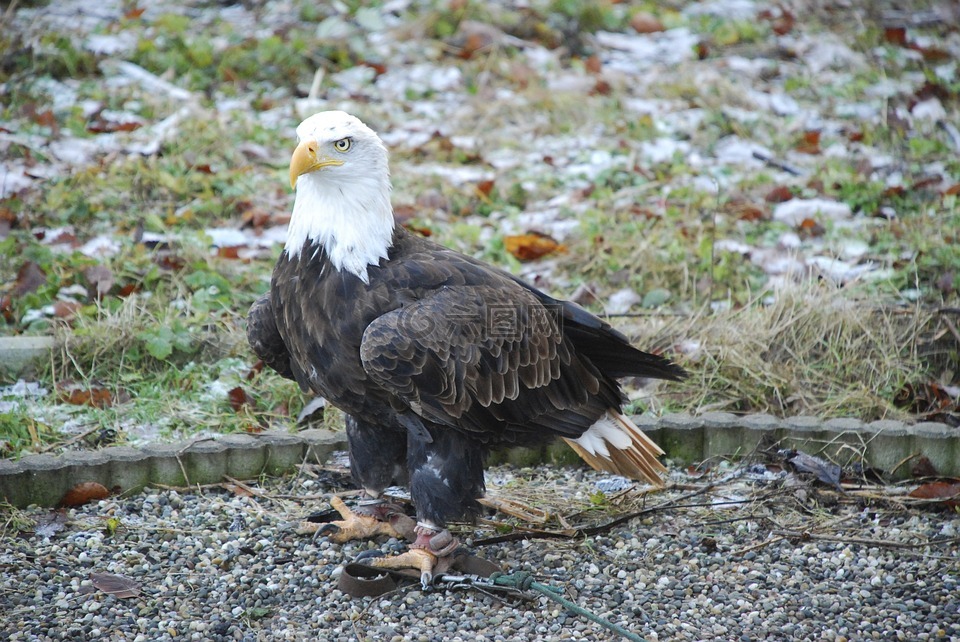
(342,177)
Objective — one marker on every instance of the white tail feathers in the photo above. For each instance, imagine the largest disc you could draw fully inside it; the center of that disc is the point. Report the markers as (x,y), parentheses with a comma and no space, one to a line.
(615,444)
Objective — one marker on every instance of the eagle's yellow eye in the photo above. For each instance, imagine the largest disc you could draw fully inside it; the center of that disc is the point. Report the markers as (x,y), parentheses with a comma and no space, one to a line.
(342,145)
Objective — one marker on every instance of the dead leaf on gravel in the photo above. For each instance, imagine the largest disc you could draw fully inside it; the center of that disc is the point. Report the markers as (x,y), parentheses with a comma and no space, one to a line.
(50,523)
(118,586)
(923,468)
(949,492)
(84,493)
(825,471)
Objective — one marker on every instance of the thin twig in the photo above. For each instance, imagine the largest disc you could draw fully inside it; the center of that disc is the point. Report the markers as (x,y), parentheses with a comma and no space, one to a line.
(758,545)
(772,162)
(952,327)
(71,441)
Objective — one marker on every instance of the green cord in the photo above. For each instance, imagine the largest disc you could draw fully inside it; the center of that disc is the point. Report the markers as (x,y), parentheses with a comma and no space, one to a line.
(524,581)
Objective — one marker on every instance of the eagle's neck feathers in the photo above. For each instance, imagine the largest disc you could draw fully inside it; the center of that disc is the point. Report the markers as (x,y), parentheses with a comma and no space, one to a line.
(351,221)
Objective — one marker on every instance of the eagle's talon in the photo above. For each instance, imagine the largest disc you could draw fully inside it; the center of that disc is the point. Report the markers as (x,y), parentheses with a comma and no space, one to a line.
(369,554)
(327,530)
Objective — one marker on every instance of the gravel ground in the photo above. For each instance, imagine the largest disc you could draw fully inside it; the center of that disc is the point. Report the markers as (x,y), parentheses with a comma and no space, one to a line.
(217,564)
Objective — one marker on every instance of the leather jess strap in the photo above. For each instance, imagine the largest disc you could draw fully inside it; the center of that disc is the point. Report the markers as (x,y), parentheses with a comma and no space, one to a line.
(362,580)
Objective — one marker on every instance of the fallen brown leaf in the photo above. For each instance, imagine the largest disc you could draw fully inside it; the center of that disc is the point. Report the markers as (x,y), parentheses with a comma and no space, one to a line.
(643,22)
(923,468)
(531,246)
(485,187)
(66,310)
(77,394)
(949,492)
(783,24)
(229,252)
(100,278)
(809,228)
(896,36)
(593,64)
(30,276)
(810,143)
(134,12)
(779,194)
(51,523)
(239,398)
(84,493)
(118,586)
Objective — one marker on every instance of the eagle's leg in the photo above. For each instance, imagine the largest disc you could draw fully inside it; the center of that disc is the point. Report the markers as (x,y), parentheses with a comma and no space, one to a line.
(446,479)
(377,457)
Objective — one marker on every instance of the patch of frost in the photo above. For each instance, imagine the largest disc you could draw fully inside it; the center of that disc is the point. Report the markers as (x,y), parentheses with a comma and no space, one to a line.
(930,109)
(662,150)
(727,9)
(794,211)
(100,246)
(621,301)
(633,53)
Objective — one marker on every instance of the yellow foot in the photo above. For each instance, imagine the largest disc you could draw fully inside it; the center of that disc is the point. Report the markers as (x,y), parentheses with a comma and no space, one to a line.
(432,552)
(418,559)
(352,526)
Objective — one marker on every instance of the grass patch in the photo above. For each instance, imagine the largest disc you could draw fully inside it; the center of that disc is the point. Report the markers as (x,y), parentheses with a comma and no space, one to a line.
(812,350)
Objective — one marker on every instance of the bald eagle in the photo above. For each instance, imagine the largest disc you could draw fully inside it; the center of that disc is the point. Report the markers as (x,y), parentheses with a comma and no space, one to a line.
(435,357)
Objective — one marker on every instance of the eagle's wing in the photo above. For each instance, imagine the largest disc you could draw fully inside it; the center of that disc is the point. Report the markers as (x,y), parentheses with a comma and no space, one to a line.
(264,337)
(489,359)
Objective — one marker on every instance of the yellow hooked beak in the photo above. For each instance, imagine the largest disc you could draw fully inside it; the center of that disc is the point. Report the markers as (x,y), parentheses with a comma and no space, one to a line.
(305,160)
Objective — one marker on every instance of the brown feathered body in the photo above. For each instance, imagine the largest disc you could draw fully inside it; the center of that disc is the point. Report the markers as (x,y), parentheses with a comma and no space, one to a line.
(439,357)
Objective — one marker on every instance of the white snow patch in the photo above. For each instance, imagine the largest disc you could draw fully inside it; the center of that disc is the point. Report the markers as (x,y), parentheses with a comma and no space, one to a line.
(930,109)
(794,211)
(634,53)
(621,301)
(822,51)
(732,245)
(733,150)
(838,270)
(662,150)
(455,174)
(228,237)
(727,9)
(778,103)
(111,44)
(100,246)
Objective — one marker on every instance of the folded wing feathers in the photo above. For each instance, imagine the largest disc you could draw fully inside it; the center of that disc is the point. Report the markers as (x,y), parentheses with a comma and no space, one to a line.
(615,444)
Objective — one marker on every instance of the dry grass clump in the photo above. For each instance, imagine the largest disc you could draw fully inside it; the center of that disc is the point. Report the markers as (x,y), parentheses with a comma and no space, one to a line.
(809,349)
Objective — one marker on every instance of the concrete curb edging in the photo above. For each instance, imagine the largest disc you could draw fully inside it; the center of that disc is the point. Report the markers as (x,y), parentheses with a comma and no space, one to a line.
(43,479)
(886,445)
